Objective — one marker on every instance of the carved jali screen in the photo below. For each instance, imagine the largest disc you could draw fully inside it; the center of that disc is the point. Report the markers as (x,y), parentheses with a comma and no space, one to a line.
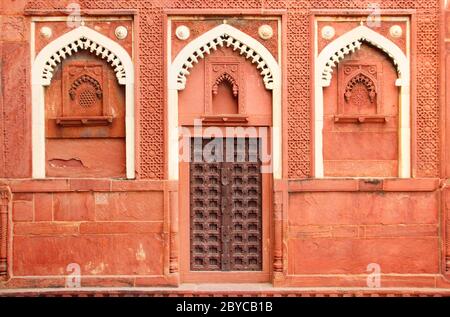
(226,208)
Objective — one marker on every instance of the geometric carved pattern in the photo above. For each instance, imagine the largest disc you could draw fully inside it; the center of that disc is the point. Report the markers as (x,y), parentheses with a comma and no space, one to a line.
(299,36)
(87,95)
(299,99)
(85,89)
(226,208)
(427,70)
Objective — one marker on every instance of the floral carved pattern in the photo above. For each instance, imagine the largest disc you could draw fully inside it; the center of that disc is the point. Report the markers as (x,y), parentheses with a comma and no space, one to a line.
(299,79)
(354,85)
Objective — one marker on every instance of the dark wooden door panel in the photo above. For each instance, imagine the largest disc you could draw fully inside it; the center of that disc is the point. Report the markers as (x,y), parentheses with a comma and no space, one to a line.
(226,210)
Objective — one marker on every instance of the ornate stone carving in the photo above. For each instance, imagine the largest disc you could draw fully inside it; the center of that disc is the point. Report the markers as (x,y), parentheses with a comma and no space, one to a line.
(84,87)
(330,57)
(47,61)
(218,70)
(248,47)
(396,31)
(278,226)
(358,85)
(328,32)
(83,43)
(366,82)
(225,40)
(298,77)
(354,44)
(225,77)
(299,146)
(182,32)
(13,28)
(46,32)
(265,32)
(121,32)
(87,96)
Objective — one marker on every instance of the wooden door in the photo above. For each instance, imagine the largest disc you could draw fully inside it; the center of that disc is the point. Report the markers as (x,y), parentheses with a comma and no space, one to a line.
(226,205)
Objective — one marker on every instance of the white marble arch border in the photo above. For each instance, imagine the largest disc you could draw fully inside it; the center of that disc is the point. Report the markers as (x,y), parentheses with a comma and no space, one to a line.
(41,73)
(329,57)
(175,67)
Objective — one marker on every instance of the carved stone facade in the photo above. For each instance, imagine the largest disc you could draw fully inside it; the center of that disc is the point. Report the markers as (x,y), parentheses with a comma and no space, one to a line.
(361,108)
(346,98)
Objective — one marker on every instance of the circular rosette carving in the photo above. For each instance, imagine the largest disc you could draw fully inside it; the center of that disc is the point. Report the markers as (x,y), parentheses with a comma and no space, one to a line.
(265,32)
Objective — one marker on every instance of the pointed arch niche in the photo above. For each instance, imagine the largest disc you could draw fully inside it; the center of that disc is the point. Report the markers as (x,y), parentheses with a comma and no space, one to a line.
(44,65)
(223,35)
(326,62)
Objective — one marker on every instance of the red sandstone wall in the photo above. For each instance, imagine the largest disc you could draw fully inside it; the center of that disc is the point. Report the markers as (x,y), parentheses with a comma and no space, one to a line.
(15,103)
(331,230)
(115,231)
(335,230)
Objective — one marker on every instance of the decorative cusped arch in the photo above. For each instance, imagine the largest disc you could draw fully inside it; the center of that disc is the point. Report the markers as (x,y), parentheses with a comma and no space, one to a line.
(223,35)
(350,42)
(330,56)
(44,65)
(226,76)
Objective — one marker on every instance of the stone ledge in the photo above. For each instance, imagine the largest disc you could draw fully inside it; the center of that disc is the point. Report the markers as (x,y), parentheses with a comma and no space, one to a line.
(81,184)
(226,290)
(364,185)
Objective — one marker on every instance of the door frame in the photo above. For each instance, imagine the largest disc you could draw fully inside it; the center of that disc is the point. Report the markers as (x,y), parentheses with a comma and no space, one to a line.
(188,276)
(178,172)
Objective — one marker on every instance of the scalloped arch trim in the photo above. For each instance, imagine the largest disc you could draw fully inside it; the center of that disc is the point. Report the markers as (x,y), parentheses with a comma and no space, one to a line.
(82,38)
(224,35)
(352,41)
